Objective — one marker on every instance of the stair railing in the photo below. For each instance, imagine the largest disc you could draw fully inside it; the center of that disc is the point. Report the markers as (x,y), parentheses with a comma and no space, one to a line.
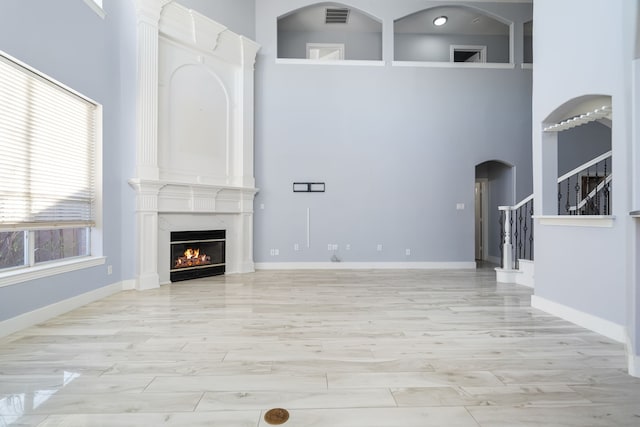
(586,190)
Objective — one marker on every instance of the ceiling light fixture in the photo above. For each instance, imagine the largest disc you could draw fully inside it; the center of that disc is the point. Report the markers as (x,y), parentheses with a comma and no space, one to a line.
(440,21)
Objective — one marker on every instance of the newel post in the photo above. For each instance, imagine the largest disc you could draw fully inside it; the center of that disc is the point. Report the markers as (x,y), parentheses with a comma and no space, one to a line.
(507,247)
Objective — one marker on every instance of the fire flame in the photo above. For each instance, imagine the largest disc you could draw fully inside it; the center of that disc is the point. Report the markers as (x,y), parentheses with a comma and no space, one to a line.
(192,257)
(190,253)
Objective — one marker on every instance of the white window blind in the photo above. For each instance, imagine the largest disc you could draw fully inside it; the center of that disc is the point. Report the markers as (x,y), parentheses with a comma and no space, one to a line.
(47,152)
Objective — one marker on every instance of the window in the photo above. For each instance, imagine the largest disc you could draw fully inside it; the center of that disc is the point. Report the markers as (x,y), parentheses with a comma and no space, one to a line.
(468,53)
(325,51)
(48,173)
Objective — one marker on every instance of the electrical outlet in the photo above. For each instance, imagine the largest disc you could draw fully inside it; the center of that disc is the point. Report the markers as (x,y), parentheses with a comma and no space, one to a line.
(379,248)
(296,247)
(262,206)
(460,206)
(329,247)
(407,252)
(109,269)
(277,252)
(335,247)
(348,246)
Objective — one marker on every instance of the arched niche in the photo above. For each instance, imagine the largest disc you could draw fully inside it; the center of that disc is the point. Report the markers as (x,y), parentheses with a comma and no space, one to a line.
(319,30)
(577,167)
(469,35)
(198,114)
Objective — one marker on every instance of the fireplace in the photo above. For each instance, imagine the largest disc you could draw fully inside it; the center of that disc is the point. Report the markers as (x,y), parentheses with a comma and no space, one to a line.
(196,254)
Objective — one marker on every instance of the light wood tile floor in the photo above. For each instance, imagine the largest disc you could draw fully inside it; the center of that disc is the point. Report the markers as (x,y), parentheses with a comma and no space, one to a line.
(345,348)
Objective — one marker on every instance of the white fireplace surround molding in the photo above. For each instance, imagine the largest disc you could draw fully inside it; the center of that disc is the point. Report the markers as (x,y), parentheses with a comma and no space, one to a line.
(194,135)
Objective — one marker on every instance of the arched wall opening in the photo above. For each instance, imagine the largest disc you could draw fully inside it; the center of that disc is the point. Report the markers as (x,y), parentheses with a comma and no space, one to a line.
(468,35)
(577,167)
(494,186)
(329,31)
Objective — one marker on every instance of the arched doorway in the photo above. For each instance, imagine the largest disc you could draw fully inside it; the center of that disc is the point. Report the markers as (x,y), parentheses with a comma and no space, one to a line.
(494,186)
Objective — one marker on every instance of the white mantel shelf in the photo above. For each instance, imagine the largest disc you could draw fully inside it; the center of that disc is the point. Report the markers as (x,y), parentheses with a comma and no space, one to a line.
(181,197)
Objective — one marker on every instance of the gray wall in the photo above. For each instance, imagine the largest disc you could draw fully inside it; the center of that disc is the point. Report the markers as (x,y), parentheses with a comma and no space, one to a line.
(396,147)
(583,143)
(363,46)
(424,47)
(236,15)
(68,41)
(590,281)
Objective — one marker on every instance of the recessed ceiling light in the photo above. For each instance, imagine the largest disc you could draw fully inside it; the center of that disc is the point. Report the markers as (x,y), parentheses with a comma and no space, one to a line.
(440,21)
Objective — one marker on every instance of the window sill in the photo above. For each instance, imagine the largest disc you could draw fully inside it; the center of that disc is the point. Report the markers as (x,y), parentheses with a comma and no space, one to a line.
(45,270)
(340,62)
(443,64)
(526,66)
(602,221)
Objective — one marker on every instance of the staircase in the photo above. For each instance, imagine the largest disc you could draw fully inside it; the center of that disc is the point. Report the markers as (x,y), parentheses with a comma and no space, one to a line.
(586,190)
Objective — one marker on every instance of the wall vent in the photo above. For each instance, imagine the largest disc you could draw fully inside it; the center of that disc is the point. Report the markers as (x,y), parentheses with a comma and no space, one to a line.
(336,16)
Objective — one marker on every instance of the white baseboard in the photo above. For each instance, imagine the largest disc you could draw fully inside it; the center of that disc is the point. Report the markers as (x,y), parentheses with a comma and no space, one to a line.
(596,324)
(364,265)
(48,312)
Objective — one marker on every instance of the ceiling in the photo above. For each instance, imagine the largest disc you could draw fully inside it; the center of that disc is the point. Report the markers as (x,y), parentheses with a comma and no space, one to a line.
(462,20)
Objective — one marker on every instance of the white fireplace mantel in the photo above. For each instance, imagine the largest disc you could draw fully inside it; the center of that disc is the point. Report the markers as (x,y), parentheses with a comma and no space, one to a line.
(194,138)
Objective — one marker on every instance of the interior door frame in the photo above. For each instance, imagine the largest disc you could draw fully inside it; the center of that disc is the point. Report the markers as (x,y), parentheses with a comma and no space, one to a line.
(484,216)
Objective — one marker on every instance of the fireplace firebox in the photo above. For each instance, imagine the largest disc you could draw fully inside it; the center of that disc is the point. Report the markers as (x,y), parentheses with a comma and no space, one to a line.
(196,254)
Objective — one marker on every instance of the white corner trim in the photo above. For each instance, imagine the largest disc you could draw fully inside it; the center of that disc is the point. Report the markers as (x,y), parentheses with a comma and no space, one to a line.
(49,269)
(596,324)
(526,66)
(128,285)
(48,312)
(364,265)
(633,363)
(602,221)
(96,6)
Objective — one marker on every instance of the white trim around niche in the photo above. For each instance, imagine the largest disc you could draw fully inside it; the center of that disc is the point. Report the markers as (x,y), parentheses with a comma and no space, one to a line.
(601,221)
(343,62)
(445,64)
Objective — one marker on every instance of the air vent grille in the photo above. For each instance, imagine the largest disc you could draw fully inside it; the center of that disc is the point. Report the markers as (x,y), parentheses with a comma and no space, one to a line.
(336,16)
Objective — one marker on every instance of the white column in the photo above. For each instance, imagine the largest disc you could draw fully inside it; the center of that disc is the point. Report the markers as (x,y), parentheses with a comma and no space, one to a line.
(506,274)
(146,234)
(242,146)
(148,17)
